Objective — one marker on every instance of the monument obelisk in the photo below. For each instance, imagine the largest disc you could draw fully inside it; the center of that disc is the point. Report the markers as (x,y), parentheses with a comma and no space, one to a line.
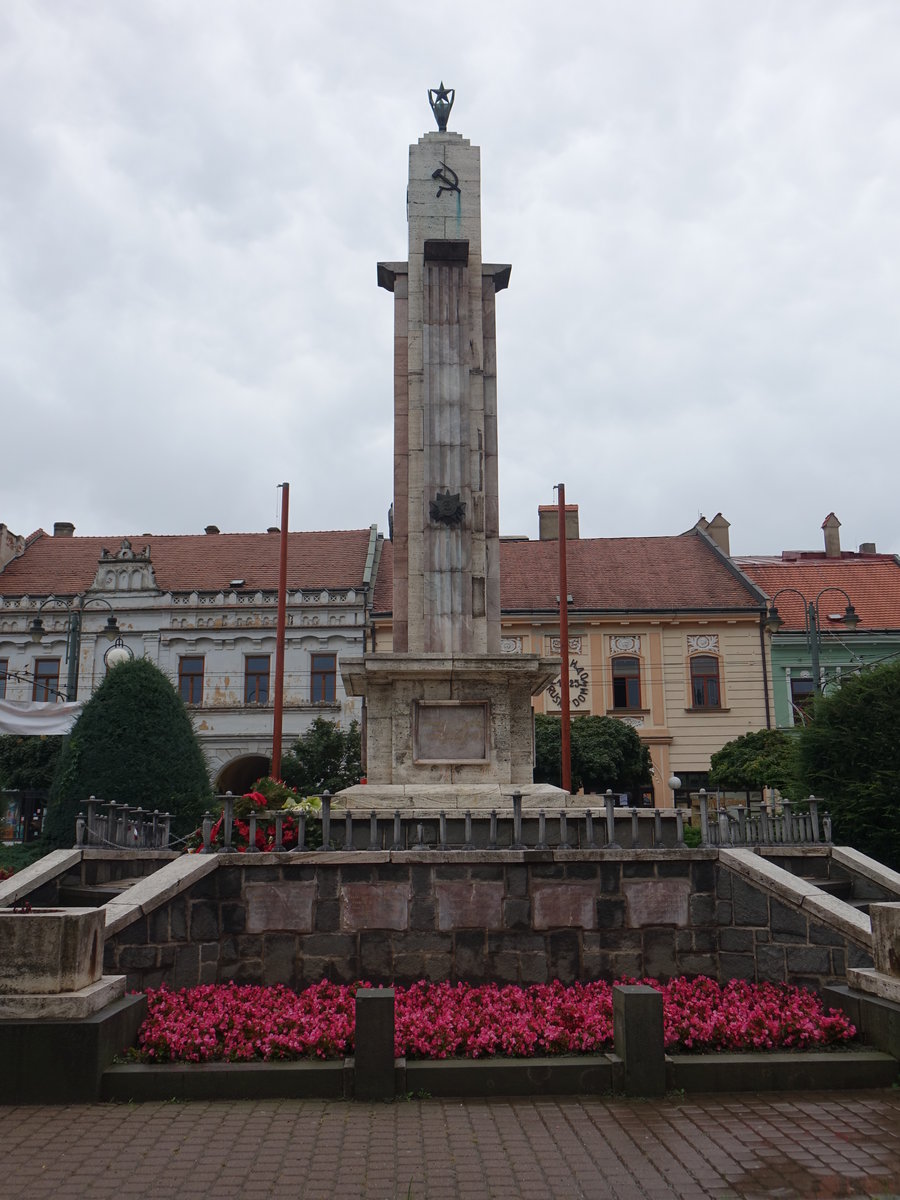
(449,719)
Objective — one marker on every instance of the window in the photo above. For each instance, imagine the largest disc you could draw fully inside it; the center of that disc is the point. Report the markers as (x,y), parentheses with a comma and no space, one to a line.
(626,673)
(190,679)
(4,671)
(802,694)
(46,679)
(256,679)
(324,675)
(705,681)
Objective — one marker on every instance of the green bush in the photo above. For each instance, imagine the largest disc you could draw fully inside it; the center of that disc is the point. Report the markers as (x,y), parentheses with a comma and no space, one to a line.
(606,753)
(134,743)
(848,755)
(763,758)
(28,762)
(326,757)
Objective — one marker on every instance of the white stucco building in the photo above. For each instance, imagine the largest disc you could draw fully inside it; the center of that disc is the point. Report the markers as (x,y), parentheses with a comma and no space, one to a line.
(203,608)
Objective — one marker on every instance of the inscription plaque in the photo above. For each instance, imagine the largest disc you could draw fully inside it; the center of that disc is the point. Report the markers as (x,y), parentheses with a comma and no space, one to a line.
(451,731)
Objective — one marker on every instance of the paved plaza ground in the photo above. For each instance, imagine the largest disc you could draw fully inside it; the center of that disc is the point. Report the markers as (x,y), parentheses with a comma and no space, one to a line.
(836,1144)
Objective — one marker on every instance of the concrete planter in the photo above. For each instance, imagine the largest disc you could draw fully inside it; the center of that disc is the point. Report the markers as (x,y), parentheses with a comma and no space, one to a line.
(48,951)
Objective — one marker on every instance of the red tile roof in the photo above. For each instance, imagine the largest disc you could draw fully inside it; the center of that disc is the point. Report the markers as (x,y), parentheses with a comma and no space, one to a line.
(653,574)
(194,562)
(872,581)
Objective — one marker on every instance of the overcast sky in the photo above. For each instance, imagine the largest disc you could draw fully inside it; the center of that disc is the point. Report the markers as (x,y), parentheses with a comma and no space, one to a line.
(699,199)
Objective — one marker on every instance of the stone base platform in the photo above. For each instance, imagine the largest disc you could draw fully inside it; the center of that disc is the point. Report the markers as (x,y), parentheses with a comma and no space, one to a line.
(875,983)
(62,1061)
(63,1006)
(410,798)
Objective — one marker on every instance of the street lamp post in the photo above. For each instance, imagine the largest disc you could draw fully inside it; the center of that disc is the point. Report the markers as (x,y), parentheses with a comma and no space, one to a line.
(812,622)
(74,609)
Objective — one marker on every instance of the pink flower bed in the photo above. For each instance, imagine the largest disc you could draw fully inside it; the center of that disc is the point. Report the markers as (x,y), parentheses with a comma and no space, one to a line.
(442,1020)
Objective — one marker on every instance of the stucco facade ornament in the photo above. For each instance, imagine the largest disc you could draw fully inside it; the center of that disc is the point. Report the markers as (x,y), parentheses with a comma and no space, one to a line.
(634,722)
(625,643)
(574,645)
(703,643)
(511,645)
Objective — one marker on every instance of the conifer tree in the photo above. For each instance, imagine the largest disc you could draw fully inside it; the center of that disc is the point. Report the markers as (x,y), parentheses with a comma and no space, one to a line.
(134,743)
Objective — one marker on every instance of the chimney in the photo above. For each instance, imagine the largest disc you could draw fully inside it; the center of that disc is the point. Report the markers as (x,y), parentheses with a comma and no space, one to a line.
(718,531)
(832,525)
(63,529)
(211,529)
(11,546)
(548,522)
(867,548)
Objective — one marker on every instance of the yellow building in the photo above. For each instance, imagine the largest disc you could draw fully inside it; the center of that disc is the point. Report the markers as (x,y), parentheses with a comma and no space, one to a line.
(665,633)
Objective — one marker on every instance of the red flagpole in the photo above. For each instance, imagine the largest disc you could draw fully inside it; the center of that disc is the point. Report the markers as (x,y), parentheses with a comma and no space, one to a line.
(565,716)
(279,635)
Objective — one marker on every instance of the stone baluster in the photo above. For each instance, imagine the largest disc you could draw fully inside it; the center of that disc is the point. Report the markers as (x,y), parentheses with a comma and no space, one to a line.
(724,828)
(442,837)
(679,829)
(279,831)
(301,834)
(704,818)
(563,831)
(814,817)
(80,823)
(610,801)
(742,825)
(167,829)
(91,819)
(373,830)
(206,830)
(542,831)
(326,820)
(227,824)
(468,844)
(348,830)
(398,832)
(252,847)
(517,843)
(826,826)
(657,828)
(635,830)
(154,829)
(589,843)
(420,843)
(787,824)
(137,827)
(492,838)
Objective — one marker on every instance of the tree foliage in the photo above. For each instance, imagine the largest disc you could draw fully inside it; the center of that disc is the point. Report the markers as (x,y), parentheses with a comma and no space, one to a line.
(134,743)
(28,762)
(326,757)
(763,758)
(606,753)
(849,755)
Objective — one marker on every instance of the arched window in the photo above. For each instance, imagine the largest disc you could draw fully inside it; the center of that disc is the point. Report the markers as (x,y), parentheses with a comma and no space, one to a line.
(626,677)
(705,691)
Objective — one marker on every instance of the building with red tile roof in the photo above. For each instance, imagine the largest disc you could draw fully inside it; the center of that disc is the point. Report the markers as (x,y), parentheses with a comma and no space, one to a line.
(815,644)
(665,633)
(202,607)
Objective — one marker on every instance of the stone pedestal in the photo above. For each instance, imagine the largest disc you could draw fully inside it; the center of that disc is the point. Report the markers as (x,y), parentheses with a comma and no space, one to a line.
(448,731)
(882,980)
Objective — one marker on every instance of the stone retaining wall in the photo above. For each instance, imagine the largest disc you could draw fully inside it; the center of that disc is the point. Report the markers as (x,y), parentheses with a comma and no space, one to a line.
(511,917)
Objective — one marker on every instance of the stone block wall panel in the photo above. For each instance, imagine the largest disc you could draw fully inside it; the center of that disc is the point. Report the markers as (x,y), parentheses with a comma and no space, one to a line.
(499,917)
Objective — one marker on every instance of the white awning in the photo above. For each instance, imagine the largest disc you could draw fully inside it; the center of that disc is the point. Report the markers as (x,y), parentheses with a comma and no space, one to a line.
(31,717)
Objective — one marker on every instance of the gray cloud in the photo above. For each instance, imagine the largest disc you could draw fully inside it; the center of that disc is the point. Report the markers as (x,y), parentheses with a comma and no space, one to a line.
(699,201)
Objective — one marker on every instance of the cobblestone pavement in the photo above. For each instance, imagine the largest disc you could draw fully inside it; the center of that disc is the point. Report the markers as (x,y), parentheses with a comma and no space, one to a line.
(835,1144)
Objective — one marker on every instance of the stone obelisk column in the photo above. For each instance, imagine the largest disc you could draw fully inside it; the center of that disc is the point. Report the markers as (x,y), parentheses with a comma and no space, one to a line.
(446,517)
(445,708)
